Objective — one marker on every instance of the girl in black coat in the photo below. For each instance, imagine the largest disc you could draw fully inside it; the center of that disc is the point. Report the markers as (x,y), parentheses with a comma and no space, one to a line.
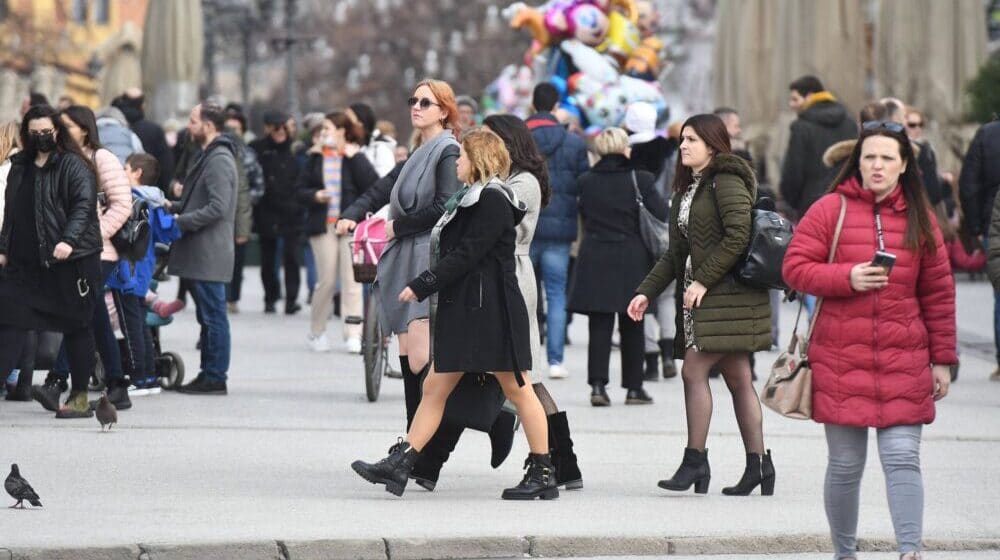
(50,250)
(612,262)
(479,321)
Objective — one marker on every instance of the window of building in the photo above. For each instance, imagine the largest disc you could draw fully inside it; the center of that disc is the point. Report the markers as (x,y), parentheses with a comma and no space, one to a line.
(102,12)
(79,14)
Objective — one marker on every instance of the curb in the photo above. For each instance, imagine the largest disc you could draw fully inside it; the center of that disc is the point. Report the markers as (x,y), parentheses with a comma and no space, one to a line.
(480,548)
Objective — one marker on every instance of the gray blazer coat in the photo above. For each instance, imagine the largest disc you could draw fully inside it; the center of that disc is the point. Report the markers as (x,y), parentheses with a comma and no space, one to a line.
(206,216)
(528,191)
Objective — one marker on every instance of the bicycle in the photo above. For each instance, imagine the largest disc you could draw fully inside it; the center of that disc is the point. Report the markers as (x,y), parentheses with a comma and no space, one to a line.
(375,338)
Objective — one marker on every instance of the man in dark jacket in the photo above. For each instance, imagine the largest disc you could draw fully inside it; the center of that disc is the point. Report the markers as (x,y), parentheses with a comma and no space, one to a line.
(251,188)
(821,123)
(203,256)
(977,187)
(566,155)
(278,216)
(154,141)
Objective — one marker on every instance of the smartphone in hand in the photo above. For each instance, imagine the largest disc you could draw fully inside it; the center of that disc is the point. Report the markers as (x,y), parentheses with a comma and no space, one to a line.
(884,260)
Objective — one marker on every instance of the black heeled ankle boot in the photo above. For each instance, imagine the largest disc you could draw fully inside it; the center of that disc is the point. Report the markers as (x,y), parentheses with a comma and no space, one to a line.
(652,372)
(561,452)
(502,437)
(694,470)
(539,480)
(433,456)
(759,471)
(667,355)
(393,471)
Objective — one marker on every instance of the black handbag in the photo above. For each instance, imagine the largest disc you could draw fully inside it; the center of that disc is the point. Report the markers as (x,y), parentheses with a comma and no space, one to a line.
(132,240)
(475,402)
(655,233)
(770,235)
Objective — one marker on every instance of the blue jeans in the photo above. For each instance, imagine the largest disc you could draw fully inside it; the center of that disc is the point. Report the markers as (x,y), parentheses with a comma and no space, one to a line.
(210,310)
(552,260)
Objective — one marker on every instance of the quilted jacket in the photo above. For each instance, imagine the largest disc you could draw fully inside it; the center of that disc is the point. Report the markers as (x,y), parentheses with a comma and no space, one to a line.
(871,352)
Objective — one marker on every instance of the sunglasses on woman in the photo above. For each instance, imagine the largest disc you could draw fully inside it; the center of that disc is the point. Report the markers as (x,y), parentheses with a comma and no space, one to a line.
(915,124)
(423,102)
(891,126)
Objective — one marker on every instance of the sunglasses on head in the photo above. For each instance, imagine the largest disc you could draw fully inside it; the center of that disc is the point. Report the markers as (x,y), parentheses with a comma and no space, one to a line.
(891,126)
(423,102)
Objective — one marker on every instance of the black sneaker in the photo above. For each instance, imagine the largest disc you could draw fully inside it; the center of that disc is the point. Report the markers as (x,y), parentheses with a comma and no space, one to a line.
(292,309)
(118,395)
(269,307)
(599,396)
(205,387)
(638,396)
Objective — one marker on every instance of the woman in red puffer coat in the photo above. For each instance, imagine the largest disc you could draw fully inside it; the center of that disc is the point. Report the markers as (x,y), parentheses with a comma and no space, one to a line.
(883,342)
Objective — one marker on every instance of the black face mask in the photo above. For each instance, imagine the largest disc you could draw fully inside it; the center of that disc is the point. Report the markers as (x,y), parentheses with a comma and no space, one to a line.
(44,143)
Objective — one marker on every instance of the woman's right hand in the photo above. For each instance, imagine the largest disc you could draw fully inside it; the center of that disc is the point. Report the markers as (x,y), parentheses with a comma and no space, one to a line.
(322,197)
(637,307)
(345,226)
(865,277)
(3,260)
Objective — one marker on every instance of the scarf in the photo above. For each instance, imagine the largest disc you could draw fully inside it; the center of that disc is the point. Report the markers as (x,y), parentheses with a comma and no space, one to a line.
(417,182)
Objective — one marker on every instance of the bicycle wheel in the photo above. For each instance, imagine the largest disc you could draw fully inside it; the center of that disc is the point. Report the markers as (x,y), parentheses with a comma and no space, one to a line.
(373,349)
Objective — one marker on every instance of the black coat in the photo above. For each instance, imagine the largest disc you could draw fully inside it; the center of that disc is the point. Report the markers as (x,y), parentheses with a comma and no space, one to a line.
(278,212)
(980,179)
(65,205)
(153,139)
(356,176)
(652,156)
(803,174)
(480,322)
(613,260)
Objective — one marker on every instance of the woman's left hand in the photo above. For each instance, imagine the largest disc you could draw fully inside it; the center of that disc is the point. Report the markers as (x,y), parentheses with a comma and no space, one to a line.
(407,295)
(351,149)
(693,295)
(389,232)
(62,251)
(942,380)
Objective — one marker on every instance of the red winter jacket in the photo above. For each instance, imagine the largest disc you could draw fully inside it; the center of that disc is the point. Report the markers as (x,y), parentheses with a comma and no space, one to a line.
(871,352)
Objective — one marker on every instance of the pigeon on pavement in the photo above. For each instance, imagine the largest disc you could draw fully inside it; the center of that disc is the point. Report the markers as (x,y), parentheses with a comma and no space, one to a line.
(106,413)
(19,489)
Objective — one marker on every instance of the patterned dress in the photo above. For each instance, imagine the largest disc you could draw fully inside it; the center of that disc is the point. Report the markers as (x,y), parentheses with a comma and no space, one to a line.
(682,224)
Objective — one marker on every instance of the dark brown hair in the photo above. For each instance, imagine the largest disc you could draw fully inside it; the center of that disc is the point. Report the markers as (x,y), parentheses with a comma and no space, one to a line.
(354,131)
(713,133)
(64,143)
(919,230)
(524,154)
(146,163)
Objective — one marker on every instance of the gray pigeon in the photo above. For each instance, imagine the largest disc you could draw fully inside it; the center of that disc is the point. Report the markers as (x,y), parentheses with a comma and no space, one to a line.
(106,413)
(19,489)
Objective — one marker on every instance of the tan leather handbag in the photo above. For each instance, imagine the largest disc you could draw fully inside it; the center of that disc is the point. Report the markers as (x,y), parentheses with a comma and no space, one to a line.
(788,390)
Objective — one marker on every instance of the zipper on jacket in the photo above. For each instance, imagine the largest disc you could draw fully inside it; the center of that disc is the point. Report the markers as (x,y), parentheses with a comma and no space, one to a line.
(875,319)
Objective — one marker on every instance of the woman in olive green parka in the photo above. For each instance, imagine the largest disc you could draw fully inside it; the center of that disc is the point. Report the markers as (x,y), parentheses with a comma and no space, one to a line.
(722,321)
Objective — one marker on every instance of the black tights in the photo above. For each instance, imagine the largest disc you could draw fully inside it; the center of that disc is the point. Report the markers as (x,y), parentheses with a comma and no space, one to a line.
(698,397)
(80,350)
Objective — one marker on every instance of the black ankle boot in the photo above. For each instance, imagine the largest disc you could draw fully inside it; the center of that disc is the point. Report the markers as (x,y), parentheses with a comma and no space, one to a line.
(652,372)
(694,469)
(667,355)
(539,480)
(561,452)
(502,437)
(759,470)
(427,469)
(392,471)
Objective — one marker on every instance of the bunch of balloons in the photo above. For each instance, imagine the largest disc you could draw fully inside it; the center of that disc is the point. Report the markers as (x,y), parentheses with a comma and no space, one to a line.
(601,54)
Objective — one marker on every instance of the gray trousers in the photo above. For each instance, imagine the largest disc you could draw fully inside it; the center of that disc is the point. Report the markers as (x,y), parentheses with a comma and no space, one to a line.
(659,321)
(899,451)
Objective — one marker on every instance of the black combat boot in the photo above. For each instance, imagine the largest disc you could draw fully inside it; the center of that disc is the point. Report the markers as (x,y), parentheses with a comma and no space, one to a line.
(539,480)
(694,469)
(393,471)
(759,470)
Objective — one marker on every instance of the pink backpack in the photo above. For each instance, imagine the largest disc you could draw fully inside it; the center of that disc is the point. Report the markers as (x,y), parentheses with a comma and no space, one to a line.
(366,249)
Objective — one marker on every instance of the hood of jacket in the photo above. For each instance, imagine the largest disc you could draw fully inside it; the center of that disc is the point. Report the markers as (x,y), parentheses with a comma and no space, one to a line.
(731,164)
(824,112)
(837,154)
(852,188)
(552,133)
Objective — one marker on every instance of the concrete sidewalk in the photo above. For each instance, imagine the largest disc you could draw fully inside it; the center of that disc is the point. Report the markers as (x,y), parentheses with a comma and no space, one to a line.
(270,463)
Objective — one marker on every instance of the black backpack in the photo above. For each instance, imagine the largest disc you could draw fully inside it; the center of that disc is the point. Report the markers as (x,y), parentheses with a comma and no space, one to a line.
(770,234)
(132,240)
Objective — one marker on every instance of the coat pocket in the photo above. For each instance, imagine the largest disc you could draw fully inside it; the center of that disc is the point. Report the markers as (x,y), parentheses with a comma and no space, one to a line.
(475,296)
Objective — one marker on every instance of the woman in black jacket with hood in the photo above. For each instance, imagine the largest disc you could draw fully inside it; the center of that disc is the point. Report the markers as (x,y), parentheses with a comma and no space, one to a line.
(50,250)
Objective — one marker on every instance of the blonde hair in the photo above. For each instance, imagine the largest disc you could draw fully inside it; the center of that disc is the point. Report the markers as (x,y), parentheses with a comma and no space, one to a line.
(487,154)
(611,141)
(10,138)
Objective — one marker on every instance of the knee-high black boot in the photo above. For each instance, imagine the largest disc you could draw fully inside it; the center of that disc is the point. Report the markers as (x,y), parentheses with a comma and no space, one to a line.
(411,389)
(561,450)
(433,456)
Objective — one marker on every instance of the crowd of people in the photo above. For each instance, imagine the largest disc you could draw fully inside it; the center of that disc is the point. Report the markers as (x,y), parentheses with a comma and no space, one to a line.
(513,226)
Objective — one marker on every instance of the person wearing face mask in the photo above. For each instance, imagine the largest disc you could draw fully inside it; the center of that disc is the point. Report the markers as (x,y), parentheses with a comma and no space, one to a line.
(884,342)
(50,250)
(721,321)
(336,174)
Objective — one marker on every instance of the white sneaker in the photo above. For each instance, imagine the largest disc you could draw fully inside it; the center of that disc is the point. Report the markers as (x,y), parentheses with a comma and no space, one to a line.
(557,371)
(319,343)
(353,345)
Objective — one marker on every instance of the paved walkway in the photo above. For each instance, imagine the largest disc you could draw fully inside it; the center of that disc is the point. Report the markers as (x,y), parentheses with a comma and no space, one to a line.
(270,462)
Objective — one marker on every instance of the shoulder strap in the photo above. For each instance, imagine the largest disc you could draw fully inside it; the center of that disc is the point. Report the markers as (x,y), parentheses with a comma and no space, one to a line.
(819,302)
(635,186)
